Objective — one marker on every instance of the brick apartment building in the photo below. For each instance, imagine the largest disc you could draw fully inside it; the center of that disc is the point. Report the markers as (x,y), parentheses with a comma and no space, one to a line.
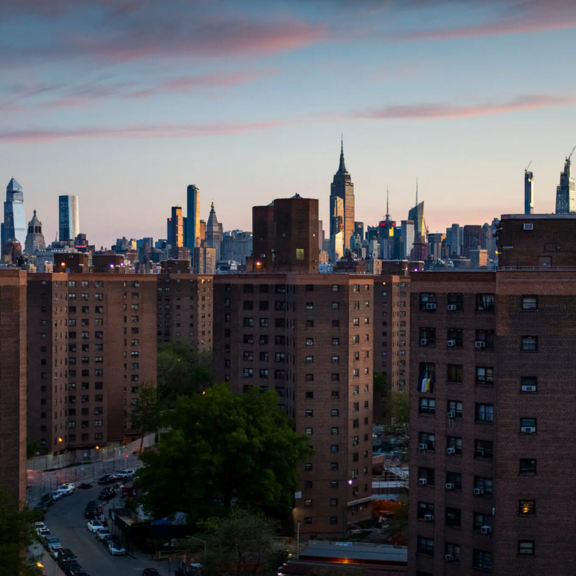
(184,306)
(492,410)
(91,343)
(310,338)
(13,382)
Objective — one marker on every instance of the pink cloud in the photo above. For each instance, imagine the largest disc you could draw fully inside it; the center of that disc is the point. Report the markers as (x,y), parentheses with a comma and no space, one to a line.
(135,132)
(446,111)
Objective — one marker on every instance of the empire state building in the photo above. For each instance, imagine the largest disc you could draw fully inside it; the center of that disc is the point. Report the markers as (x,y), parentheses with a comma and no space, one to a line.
(342,205)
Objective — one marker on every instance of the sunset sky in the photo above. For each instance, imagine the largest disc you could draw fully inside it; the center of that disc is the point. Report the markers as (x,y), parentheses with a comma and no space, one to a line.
(125,103)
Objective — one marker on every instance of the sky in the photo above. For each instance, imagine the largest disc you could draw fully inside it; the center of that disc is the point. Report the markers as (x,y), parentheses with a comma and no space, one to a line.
(126,102)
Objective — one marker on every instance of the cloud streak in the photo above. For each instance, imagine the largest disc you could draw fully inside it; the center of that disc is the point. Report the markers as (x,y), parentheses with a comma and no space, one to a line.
(135,132)
(446,111)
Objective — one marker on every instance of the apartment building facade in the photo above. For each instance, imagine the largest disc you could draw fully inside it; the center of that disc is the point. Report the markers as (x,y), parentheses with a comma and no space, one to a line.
(13,382)
(310,338)
(492,412)
(91,343)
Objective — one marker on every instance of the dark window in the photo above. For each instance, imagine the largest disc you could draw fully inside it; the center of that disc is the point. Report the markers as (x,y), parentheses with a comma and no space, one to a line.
(482,559)
(529,302)
(454,480)
(526,548)
(530,343)
(248,339)
(484,413)
(485,302)
(248,322)
(483,486)
(481,519)
(455,338)
(454,409)
(427,336)
(426,474)
(454,445)
(425,509)
(455,302)
(454,551)
(484,376)
(426,441)
(427,406)
(428,301)
(527,466)
(529,384)
(425,546)
(527,507)
(455,373)
(333,520)
(527,425)
(453,517)
(484,340)
(484,449)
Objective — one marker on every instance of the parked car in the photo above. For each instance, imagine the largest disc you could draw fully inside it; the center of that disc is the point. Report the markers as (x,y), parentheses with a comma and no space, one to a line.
(72,567)
(52,542)
(107,494)
(77,572)
(67,489)
(57,494)
(95,525)
(46,500)
(54,551)
(44,533)
(84,486)
(108,479)
(126,474)
(39,526)
(92,510)
(101,534)
(65,556)
(115,548)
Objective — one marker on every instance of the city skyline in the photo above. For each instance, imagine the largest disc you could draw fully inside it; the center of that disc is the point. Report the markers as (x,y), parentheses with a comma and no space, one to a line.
(441,92)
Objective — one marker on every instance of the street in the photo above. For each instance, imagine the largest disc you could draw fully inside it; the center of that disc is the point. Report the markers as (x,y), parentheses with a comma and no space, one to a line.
(65,519)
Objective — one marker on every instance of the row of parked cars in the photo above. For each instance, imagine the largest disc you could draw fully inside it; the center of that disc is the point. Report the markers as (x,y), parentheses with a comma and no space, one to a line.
(64,556)
(100,529)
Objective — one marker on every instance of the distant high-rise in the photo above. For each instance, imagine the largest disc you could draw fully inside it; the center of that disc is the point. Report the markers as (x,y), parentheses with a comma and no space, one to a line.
(417,215)
(342,187)
(34,238)
(14,226)
(566,192)
(408,237)
(68,217)
(175,227)
(193,216)
(528,192)
(214,233)
(336,228)
(472,239)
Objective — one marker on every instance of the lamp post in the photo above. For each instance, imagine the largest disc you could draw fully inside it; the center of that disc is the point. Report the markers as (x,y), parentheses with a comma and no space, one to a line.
(298,541)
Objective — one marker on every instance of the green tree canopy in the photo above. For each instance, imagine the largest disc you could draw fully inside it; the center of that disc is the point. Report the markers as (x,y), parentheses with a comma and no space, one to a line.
(182,370)
(16,534)
(146,417)
(221,449)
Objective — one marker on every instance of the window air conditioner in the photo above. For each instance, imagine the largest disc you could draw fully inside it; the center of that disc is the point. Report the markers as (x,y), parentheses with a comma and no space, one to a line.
(480,453)
(528,388)
(422,446)
(451,306)
(422,481)
(528,226)
(478,491)
(486,529)
(431,306)
(528,429)
(451,415)
(449,558)
(451,450)
(449,486)
(480,344)
(429,517)
(451,342)
(423,342)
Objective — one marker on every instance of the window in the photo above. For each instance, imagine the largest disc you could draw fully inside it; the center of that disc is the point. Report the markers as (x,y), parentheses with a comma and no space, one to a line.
(484,413)
(424,438)
(454,409)
(264,323)
(454,551)
(481,519)
(248,322)
(263,340)
(426,474)
(530,343)
(309,377)
(333,483)
(248,356)
(335,412)
(263,373)
(526,548)
(335,323)
(455,338)
(248,339)
(309,431)
(484,340)
(279,357)
(529,302)
(335,341)
(425,546)
(263,356)
(484,376)
(334,448)
(483,486)
(427,376)
(309,359)
(455,373)
(427,301)
(529,384)
(427,406)
(485,302)
(454,445)
(308,466)
(247,373)
(527,466)
(427,336)
(455,479)
(527,508)
(308,520)
(455,302)
(309,323)
(335,305)
(335,288)
(333,465)
(425,509)
(528,425)
(484,449)
(453,517)
(309,341)
(309,413)
(335,395)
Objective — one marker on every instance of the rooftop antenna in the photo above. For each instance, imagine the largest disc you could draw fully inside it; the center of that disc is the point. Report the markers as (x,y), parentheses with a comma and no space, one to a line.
(416,191)
(529,164)
(387,210)
(568,159)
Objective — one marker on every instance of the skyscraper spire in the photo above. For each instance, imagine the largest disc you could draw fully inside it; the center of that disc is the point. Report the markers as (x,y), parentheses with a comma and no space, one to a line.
(387,210)
(416,190)
(342,167)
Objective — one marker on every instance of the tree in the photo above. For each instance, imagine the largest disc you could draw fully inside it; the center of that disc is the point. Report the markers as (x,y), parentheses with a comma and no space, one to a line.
(16,534)
(222,449)
(146,418)
(240,543)
(399,409)
(31,449)
(182,370)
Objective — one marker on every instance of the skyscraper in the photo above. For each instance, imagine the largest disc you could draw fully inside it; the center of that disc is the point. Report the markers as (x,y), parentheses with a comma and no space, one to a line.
(34,239)
(528,192)
(193,216)
(408,237)
(214,233)
(336,228)
(14,218)
(342,187)
(565,193)
(68,217)
(175,228)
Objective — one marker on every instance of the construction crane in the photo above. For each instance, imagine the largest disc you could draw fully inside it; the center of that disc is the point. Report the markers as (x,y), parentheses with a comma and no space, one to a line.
(568,159)
(529,164)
